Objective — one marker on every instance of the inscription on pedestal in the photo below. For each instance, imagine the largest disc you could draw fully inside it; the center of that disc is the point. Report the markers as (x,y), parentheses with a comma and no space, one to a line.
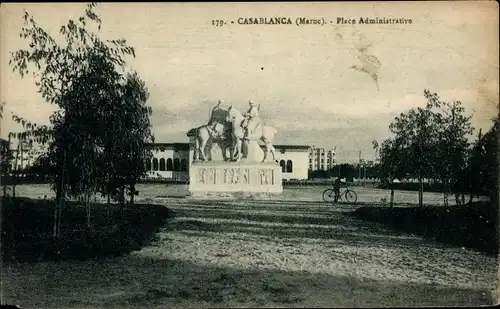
(206,176)
(266,177)
(231,176)
(235,178)
(246,176)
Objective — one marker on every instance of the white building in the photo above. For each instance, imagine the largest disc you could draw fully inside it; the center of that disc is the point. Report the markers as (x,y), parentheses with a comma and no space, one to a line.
(293,161)
(171,161)
(319,159)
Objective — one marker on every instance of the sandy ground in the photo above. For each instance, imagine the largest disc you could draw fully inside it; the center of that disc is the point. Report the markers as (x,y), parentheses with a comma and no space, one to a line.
(291,253)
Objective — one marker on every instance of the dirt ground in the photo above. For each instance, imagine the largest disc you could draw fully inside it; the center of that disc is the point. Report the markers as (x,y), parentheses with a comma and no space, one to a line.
(262,254)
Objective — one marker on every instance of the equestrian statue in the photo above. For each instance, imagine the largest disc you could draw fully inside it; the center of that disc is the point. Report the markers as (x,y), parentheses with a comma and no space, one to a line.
(237,132)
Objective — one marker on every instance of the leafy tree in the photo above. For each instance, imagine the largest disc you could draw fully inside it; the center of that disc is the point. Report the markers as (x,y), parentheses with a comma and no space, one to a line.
(128,154)
(485,160)
(101,106)
(394,156)
(436,137)
(416,131)
(452,146)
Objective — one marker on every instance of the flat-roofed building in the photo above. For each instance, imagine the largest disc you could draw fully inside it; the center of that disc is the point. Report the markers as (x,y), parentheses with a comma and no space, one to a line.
(171,161)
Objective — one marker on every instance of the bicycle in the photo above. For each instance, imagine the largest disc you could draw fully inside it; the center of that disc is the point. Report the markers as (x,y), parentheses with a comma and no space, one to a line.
(349,195)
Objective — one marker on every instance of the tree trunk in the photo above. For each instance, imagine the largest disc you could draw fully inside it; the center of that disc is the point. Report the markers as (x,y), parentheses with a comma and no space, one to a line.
(60,216)
(392,197)
(21,141)
(457,198)
(88,208)
(14,172)
(445,191)
(121,196)
(445,195)
(56,218)
(59,199)
(132,194)
(420,190)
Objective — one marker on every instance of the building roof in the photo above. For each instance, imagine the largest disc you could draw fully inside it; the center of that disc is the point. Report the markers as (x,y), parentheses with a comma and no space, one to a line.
(303,148)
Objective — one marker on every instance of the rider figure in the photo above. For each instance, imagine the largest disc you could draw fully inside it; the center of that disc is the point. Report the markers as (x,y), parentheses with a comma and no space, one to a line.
(212,123)
(337,184)
(252,119)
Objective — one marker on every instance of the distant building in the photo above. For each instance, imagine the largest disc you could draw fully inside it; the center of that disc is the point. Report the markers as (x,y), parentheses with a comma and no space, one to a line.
(321,159)
(171,161)
(293,161)
(25,156)
(4,148)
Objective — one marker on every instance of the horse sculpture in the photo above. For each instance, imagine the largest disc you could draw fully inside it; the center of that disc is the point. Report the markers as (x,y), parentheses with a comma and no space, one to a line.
(266,133)
(206,137)
(217,131)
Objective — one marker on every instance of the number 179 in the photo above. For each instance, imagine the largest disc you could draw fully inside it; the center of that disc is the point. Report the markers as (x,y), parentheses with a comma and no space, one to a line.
(217,22)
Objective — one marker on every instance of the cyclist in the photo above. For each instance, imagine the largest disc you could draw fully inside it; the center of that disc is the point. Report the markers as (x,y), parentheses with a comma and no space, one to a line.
(337,184)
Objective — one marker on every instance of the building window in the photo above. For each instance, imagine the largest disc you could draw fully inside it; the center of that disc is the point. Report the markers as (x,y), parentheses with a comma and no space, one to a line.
(310,160)
(289,166)
(148,165)
(282,164)
(322,161)
(176,165)
(183,165)
(169,165)
(155,164)
(162,164)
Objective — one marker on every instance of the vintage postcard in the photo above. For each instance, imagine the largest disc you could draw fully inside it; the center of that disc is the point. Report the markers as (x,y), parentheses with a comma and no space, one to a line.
(304,154)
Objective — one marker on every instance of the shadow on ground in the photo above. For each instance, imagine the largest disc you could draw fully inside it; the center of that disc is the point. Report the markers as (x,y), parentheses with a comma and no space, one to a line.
(330,224)
(137,281)
(473,226)
(27,227)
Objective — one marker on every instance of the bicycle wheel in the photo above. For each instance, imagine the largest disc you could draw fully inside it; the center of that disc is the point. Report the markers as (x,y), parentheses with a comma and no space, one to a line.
(328,195)
(351,196)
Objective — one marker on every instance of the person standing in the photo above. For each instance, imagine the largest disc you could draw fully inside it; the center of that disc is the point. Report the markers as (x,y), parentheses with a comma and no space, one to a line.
(337,184)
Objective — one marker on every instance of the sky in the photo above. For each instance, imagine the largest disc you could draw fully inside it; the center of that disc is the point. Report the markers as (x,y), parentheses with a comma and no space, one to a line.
(308,79)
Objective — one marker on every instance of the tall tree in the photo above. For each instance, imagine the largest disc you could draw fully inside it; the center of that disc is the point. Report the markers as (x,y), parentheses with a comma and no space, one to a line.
(486,162)
(453,129)
(416,130)
(87,78)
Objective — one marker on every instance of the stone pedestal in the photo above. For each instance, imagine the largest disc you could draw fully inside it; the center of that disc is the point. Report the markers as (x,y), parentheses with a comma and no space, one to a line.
(236,179)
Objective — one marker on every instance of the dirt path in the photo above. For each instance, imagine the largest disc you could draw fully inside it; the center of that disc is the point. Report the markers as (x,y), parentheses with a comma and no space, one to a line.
(262,254)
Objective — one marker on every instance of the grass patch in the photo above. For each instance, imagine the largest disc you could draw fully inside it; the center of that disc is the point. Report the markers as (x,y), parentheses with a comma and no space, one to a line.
(27,227)
(473,226)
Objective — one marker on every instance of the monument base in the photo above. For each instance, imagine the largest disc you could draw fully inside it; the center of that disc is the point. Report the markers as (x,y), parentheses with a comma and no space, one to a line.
(235,179)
